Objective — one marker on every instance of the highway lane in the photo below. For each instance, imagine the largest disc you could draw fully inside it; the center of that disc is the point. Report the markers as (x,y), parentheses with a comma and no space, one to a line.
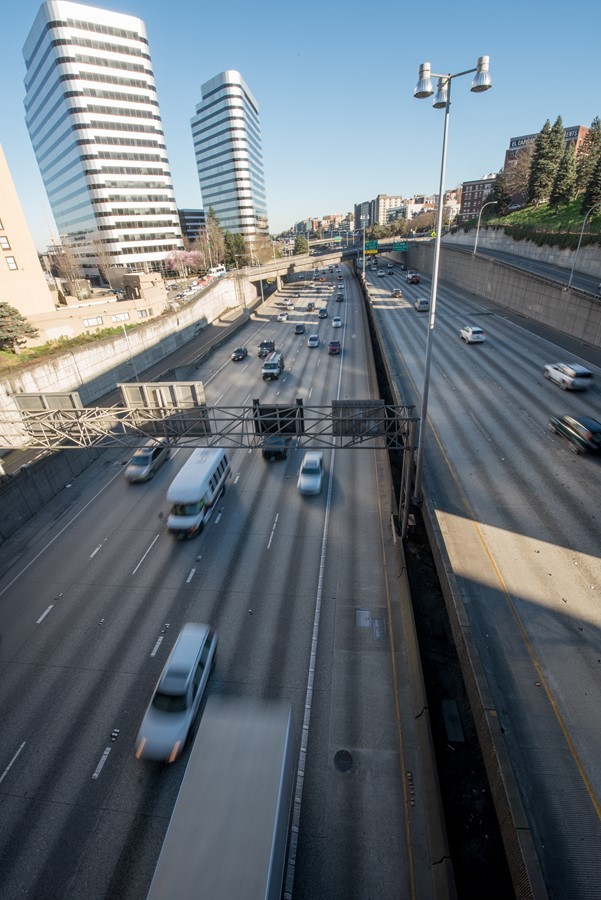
(92,619)
(519,512)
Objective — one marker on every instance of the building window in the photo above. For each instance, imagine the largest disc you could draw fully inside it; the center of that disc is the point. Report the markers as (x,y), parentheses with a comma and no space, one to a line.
(120,317)
(11,262)
(90,323)
(142,313)
(4,243)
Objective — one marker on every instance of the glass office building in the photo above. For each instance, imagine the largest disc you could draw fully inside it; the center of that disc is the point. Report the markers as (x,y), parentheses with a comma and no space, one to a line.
(94,122)
(229,157)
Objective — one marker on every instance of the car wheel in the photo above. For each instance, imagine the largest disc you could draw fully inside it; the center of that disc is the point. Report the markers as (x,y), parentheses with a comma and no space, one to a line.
(552,428)
(574,447)
(546,374)
(564,385)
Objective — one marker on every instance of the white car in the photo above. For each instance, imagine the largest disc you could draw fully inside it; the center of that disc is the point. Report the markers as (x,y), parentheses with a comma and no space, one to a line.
(381,272)
(471,334)
(336,322)
(422,305)
(313,340)
(310,476)
(569,376)
(283,317)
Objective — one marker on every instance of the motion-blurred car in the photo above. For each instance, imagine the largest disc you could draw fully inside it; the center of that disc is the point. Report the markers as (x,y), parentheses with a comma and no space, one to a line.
(176,698)
(412,277)
(283,317)
(336,322)
(146,460)
(582,432)
(334,348)
(397,293)
(323,313)
(339,298)
(239,354)
(569,376)
(422,305)
(381,272)
(296,294)
(299,328)
(313,340)
(310,476)
(471,334)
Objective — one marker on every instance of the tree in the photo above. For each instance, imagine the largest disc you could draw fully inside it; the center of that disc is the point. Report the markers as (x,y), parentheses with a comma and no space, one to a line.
(564,185)
(592,195)
(301,245)
(103,258)
(500,194)
(236,253)
(548,150)
(68,267)
(588,155)
(215,238)
(14,328)
(518,174)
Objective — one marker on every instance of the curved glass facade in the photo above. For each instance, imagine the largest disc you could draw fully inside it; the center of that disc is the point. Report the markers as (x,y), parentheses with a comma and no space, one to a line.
(229,157)
(93,118)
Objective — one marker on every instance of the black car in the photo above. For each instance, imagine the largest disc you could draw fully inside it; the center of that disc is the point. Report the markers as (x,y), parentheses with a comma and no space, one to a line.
(323,313)
(339,298)
(299,329)
(239,354)
(582,432)
(275,446)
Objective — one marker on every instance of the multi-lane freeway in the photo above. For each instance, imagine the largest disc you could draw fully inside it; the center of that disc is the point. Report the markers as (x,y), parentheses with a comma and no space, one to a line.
(304,597)
(519,514)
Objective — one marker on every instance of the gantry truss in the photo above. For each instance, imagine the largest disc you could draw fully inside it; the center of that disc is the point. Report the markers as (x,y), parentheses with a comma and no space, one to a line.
(344,423)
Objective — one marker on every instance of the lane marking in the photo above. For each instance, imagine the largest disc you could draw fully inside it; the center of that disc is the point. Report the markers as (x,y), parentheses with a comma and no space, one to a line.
(58,534)
(94,552)
(9,766)
(44,614)
(190,576)
(145,555)
(103,759)
(156,646)
(273,531)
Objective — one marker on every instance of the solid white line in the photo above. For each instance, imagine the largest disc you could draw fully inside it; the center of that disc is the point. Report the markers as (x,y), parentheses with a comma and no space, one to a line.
(44,614)
(145,555)
(9,766)
(190,576)
(103,759)
(58,534)
(156,646)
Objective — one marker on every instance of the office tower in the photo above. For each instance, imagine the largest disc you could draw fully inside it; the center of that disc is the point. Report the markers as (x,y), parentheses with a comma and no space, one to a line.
(94,122)
(229,158)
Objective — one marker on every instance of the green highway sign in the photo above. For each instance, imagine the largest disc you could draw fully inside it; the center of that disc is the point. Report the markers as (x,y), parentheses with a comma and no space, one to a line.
(401,247)
(371,245)
(337,239)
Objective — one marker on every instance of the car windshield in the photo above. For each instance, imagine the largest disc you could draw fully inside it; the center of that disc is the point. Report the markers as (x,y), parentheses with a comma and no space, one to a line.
(169,703)
(140,460)
(186,509)
(311,468)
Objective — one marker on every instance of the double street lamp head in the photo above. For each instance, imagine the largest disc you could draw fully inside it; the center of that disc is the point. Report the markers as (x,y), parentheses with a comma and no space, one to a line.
(424,87)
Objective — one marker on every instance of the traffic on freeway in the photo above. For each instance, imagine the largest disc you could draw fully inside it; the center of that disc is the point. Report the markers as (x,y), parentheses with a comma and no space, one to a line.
(134,596)
(512,482)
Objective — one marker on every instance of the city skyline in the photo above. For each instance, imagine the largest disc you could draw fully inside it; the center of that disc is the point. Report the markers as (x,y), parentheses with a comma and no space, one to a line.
(338,119)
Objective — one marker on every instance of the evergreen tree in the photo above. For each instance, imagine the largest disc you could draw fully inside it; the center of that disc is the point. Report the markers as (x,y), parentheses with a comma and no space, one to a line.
(500,194)
(588,155)
(592,195)
(301,245)
(564,185)
(234,250)
(14,328)
(544,166)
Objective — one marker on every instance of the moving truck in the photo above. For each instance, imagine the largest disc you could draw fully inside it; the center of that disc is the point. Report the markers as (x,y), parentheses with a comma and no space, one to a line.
(195,490)
(228,833)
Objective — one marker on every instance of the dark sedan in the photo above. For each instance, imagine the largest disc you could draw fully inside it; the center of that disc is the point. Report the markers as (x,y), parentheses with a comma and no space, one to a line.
(299,328)
(581,432)
(239,354)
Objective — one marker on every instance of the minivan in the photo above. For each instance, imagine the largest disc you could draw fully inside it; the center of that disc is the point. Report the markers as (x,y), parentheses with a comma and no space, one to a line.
(273,366)
(177,695)
(146,460)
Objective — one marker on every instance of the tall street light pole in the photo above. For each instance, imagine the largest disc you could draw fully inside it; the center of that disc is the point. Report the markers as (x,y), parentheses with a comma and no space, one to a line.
(579,240)
(442,100)
(484,205)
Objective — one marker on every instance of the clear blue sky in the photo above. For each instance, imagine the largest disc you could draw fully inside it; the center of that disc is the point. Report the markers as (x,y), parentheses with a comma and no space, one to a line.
(334,82)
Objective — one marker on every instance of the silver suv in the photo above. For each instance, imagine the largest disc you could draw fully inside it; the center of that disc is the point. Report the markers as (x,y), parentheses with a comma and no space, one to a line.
(569,376)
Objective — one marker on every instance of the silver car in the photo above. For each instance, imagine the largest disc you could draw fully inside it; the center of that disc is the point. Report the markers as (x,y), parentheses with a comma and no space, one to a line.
(176,698)
(146,460)
(310,476)
(569,376)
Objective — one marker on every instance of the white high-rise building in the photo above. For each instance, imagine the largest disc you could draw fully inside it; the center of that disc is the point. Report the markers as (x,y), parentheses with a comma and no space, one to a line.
(94,122)
(229,155)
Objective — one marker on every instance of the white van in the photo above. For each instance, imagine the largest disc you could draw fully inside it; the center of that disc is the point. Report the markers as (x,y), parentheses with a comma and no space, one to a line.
(195,490)
(176,698)
(273,366)
(216,271)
